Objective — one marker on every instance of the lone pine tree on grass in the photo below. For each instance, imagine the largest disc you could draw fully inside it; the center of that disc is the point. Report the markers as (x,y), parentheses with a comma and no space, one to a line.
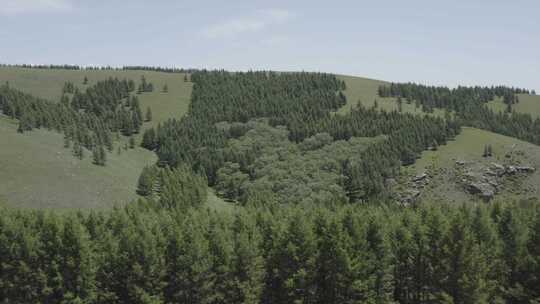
(488,151)
(78,150)
(148,116)
(99,155)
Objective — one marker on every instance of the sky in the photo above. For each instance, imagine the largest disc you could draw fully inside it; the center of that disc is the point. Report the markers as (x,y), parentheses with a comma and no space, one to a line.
(458,42)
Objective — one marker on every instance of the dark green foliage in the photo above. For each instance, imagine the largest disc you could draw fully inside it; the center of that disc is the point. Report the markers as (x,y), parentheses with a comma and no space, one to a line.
(132,142)
(468,103)
(149,139)
(178,188)
(86,119)
(99,155)
(148,115)
(146,86)
(144,253)
(488,151)
(224,106)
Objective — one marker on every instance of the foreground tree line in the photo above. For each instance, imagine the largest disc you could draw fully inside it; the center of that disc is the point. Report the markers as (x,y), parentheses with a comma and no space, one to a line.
(177,251)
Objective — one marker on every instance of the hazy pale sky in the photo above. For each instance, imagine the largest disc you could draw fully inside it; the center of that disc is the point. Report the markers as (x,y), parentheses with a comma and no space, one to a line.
(435,42)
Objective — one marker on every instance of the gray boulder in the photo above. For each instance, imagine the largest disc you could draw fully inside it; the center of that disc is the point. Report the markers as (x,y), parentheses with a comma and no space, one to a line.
(484,190)
(525,169)
(420,177)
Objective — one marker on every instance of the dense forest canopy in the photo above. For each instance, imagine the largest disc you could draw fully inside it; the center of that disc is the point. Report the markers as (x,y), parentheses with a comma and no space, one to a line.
(274,143)
(158,253)
(300,106)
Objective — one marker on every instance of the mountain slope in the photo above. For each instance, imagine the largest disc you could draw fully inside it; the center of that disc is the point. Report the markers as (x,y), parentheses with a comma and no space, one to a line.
(36,171)
(462,158)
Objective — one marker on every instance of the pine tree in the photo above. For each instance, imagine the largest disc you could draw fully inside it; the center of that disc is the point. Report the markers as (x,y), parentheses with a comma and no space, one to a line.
(85,81)
(247,263)
(149,139)
(165,89)
(67,141)
(96,156)
(131,142)
(486,151)
(148,114)
(146,181)
(189,278)
(533,247)
(78,150)
(102,155)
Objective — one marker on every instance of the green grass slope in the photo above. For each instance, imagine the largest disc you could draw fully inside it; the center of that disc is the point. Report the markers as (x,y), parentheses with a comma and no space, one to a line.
(37,171)
(48,84)
(365,90)
(468,147)
(527,104)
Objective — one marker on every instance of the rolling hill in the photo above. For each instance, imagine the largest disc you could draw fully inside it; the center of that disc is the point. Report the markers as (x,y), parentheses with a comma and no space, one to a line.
(39,172)
(462,158)
(36,171)
(527,104)
(365,90)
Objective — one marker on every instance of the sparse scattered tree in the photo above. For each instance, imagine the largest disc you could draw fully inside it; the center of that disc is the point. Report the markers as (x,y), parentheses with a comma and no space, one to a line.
(132,142)
(148,115)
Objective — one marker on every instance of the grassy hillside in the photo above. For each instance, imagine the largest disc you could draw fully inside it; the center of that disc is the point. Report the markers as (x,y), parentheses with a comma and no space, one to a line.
(365,90)
(36,171)
(468,147)
(48,84)
(527,104)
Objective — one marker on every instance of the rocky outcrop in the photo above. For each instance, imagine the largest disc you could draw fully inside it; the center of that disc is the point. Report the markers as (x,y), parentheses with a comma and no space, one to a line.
(409,197)
(525,169)
(419,177)
(482,189)
(486,182)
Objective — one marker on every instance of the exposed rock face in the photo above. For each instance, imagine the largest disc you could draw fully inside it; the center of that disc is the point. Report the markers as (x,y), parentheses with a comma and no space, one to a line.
(511,170)
(499,169)
(525,169)
(460,162)
(488,181)
(409,197)
(484,190)
(419,177)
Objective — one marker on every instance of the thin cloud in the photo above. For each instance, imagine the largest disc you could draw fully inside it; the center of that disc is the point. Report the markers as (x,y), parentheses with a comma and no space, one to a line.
(258,21)
(17,7)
